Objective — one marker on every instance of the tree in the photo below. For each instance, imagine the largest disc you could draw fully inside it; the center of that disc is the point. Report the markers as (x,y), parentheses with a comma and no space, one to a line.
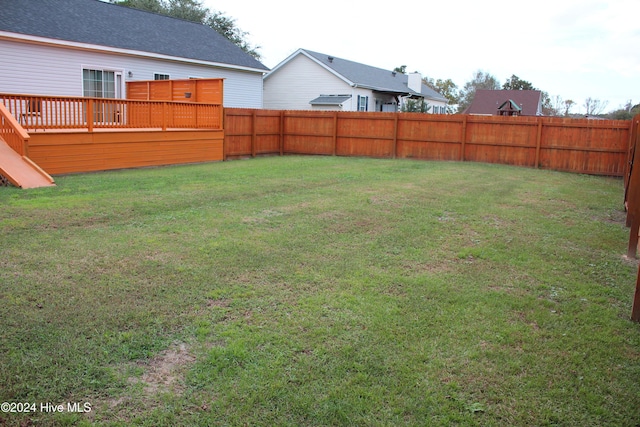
(626,112)
(515,83)
(401,69)
(547,104)
(594,107)
(446,88)
(556,106)
(449,90)
(149,5)
(568,105)
(415,106)
(480,80)
(227,27)
(193,10)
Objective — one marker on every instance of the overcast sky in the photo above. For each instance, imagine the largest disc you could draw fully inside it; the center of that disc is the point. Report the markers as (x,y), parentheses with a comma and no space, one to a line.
(571,48)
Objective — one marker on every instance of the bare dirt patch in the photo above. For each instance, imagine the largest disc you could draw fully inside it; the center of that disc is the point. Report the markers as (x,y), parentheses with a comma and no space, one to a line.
(164,372)
(161,374)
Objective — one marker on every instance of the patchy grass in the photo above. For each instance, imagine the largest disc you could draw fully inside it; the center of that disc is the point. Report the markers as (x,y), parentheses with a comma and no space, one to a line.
(319,291)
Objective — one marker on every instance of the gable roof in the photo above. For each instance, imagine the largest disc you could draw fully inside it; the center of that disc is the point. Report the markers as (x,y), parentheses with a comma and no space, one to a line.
(488,101)
(365,76)
(509,105)
(98,23)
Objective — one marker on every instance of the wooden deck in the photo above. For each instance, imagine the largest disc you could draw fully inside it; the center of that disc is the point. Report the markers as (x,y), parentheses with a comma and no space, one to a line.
(68,151)
(69,135)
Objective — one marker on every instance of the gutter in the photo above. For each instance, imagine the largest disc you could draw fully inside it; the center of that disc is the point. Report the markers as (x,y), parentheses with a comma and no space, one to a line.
(382,90)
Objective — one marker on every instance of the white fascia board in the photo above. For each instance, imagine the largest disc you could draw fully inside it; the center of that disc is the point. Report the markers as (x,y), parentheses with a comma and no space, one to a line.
(302,51)
(4,35)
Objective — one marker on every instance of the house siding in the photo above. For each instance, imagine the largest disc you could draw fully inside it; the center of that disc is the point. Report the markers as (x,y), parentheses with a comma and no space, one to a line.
(52,70)
(300,81)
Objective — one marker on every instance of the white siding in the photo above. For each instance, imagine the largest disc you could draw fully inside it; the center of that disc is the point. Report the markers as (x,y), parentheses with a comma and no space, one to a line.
(436,106)
(299,81)
(50,70)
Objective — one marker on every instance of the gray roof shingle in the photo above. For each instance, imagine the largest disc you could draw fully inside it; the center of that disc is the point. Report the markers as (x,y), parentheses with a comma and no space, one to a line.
(370,77)
(99,23)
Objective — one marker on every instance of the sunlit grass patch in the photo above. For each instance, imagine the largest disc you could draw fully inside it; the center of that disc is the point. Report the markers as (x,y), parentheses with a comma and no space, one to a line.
(320,291)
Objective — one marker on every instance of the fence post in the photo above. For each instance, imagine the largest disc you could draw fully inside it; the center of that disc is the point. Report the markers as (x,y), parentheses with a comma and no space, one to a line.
(395,134)
(635,310)
(634,131)
(253,133)
(90,115)
(224,133)
(464,137)
(281,132)
(538,142)
(633,202)
(335,133)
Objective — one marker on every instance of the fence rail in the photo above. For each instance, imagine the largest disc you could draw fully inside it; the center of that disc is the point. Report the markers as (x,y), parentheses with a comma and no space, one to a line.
(37,112)
(599,147)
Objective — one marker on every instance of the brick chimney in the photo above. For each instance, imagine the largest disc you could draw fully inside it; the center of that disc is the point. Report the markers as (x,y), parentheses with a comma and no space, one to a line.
(415,82)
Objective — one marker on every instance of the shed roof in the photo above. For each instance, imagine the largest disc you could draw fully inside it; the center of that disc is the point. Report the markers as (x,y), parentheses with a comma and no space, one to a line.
(95,22)
(488,101)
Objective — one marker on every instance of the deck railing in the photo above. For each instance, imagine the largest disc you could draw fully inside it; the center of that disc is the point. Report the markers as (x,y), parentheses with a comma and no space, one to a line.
(36,112)
(12,133)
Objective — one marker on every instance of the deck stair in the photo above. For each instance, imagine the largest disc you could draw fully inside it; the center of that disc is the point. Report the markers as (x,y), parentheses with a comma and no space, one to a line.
(20,170)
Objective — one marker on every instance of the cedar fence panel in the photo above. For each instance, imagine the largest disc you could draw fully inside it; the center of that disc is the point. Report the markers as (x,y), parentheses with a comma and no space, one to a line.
(364,134)
(505,140)
(309,132)
(599,147)
(437,138)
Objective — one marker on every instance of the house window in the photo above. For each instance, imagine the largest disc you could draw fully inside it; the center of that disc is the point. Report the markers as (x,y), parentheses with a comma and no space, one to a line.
(158,76)
(99,83)
(363,103)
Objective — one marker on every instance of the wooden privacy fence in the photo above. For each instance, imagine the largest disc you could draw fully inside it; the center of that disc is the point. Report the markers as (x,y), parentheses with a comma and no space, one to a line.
(37,112)
(599,147)
(208,91)
(632,203)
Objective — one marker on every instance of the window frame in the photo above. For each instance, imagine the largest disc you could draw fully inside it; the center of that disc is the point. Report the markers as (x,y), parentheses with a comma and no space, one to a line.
(362,107)
(116,82)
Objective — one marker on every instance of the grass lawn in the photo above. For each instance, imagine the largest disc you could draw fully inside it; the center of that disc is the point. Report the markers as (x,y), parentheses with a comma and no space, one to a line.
(319,291)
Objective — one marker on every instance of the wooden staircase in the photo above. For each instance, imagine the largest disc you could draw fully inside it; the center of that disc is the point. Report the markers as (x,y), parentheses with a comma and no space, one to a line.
(15,167)
(20,170)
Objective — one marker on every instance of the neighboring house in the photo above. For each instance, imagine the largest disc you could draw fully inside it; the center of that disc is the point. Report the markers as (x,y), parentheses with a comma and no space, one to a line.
(91,48)
(506,103)
(309,80)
